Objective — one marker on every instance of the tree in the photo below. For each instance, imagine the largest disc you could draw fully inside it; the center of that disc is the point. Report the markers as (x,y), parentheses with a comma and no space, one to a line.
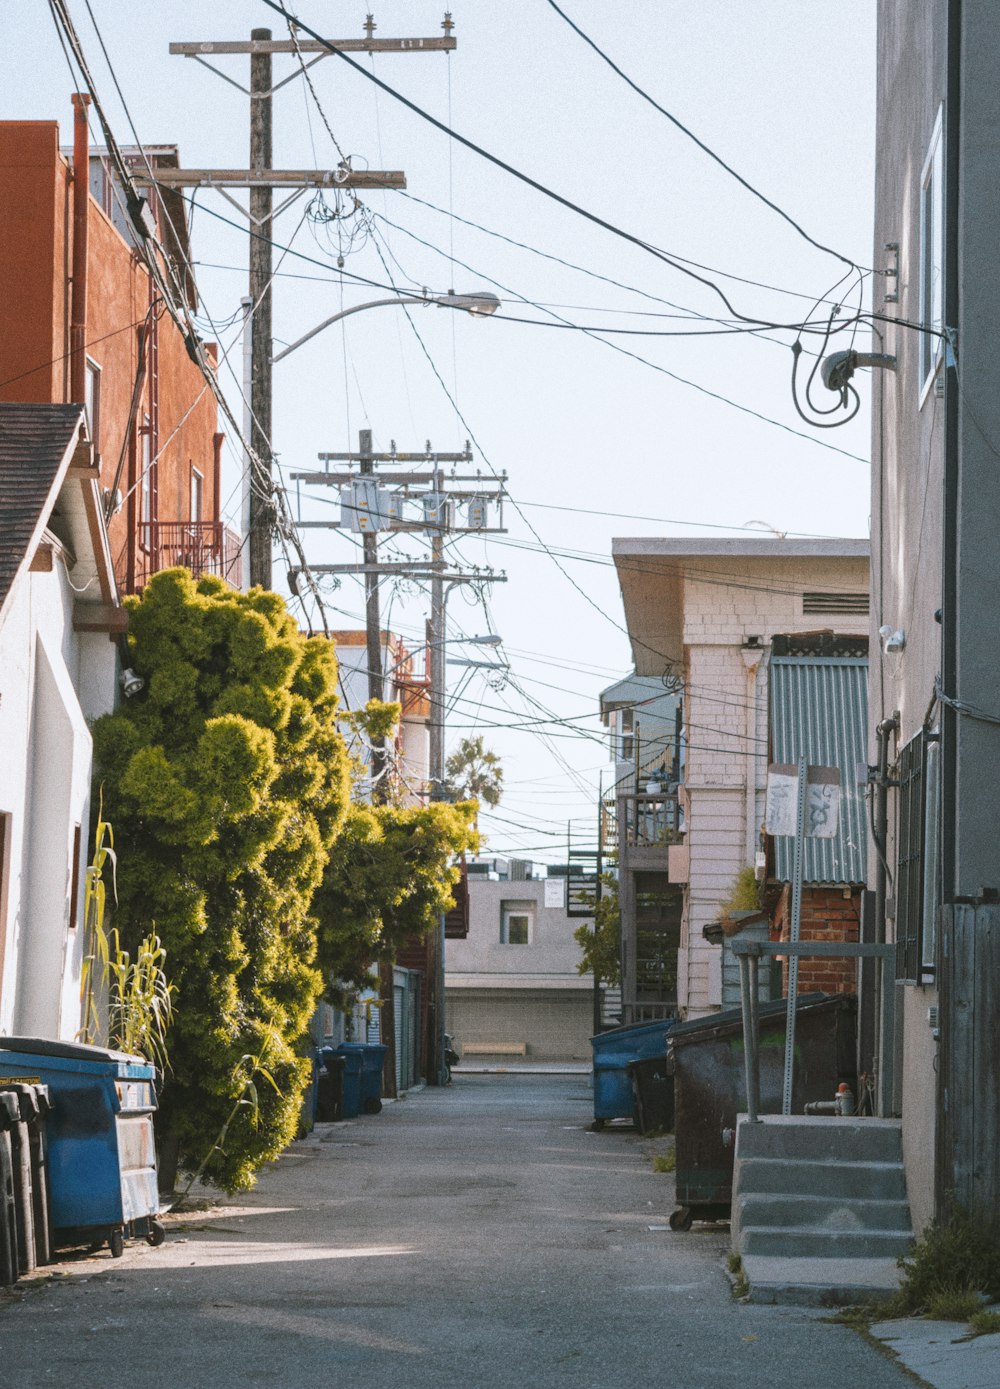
(226,780)
(388,877)
(474,773)
(600,943)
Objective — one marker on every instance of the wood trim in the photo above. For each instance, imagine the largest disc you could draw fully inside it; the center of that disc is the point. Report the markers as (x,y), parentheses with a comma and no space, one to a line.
(99,617)
(43,560)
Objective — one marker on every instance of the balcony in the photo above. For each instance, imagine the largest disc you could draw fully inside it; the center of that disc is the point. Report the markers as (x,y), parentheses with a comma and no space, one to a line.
(648,823)
(204,547)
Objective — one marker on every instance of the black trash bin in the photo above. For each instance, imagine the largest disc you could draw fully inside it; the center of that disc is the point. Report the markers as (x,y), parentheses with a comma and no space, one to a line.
(31,1192)
(330,1086)
(707,1059)
(10,1112)
(653,1087)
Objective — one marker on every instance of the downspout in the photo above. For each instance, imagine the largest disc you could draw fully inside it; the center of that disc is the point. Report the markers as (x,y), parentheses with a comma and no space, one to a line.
(950,309)
(81,205)
(880,819)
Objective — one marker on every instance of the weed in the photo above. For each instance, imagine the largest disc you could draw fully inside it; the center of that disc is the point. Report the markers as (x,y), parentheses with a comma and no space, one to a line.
(665,1162)
(738,1279)
(985,1322)
(733,1261)
(953,1305)
(952,1259)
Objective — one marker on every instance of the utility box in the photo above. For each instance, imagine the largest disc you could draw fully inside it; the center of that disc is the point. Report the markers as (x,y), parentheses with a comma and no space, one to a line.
(101,1153)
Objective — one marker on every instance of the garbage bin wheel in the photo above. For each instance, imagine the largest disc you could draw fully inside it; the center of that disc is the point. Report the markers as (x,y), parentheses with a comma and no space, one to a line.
(373,1106)
(156,1234)
(597,1125)
(681,1219)
(116,1243)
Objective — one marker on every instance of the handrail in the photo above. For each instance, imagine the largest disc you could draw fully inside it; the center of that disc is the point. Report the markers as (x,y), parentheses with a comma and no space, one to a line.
(749,953)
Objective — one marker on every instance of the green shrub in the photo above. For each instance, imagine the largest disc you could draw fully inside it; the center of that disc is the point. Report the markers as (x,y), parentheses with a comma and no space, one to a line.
(954,1258)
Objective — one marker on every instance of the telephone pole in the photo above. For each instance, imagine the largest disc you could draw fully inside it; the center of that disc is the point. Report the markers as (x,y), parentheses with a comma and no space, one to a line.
(369,507)
(261,508)
(261,178)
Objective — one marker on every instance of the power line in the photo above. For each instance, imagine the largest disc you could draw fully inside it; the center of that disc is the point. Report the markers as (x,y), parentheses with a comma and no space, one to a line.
(691,136)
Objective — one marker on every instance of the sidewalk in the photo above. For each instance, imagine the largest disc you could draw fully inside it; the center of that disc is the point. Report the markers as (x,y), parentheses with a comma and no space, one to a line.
(941,1354)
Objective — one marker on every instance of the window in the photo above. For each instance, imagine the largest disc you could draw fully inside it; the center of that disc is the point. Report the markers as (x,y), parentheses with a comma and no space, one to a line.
(917,853)
(627,750)
(931,259)
(197,487)
(146,484)
(516,920)
(92,404)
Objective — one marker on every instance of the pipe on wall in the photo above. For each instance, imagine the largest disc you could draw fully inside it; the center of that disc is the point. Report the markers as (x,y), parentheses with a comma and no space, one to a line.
(81,208)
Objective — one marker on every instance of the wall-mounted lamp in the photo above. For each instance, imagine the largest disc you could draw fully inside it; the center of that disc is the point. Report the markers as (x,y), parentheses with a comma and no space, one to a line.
(892,638)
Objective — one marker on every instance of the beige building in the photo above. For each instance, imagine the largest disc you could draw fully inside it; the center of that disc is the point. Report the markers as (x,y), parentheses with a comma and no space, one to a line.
(512,989)
(705,613)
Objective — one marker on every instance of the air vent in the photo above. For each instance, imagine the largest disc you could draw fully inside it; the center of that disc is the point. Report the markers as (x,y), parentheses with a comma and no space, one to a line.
(854,604)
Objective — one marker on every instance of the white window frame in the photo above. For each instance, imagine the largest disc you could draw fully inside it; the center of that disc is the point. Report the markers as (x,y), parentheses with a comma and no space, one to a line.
(197,493)
(510,910)
(92,404)
(931,267)
(146,484)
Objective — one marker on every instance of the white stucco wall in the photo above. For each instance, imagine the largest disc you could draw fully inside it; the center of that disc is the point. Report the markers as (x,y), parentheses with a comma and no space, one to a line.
(549,960)
(45,774)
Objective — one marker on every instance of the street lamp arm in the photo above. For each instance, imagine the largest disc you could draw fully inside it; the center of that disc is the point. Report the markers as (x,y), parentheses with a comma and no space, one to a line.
(346,313)
(479,304)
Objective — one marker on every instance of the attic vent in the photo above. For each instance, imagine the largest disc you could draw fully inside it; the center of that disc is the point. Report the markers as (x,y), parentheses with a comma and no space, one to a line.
(855,604)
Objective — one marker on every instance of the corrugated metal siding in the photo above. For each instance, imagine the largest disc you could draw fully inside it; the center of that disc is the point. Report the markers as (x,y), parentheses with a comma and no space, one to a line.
(819,709)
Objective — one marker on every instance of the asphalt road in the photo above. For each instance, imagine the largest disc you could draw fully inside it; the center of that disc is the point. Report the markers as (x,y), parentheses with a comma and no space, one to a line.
(468,1238)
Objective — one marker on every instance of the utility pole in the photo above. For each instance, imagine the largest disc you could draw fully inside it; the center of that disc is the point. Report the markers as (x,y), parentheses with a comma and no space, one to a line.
(261,178)
(437,493)
(373,631)
(261,209)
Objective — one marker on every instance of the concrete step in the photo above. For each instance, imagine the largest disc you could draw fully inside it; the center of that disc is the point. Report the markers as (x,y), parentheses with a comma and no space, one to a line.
(820,1139)
(819,1212)
(819,1282)
(808,1242)
(883,1181)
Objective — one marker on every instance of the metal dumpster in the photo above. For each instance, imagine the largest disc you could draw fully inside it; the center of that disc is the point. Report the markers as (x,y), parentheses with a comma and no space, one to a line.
(613,1051)
(101,1154)
(706,1057)
(653,1088)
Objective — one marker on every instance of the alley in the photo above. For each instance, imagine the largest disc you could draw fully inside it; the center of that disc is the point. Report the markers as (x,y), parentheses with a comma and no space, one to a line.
(475,1236)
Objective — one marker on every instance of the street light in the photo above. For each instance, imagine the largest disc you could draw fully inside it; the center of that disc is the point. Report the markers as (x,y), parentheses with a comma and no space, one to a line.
(481,303)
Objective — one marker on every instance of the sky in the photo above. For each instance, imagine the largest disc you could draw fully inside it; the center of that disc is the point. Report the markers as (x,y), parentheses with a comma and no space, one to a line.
(644,432)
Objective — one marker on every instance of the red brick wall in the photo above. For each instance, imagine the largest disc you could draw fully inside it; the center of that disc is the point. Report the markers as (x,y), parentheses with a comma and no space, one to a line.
(827,915)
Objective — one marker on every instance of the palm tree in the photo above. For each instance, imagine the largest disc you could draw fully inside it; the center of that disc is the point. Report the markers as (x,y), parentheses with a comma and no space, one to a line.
(474,773)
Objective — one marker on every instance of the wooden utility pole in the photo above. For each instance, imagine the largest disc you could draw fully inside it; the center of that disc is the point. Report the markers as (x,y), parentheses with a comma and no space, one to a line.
(261,178)
(261,207)
(373,632)
(424,484)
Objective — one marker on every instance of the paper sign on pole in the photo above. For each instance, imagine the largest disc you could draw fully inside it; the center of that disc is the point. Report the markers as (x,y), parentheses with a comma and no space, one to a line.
(822,800)
(555,892)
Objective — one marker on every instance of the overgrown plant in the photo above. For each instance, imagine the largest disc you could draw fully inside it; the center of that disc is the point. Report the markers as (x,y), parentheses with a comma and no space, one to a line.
(246,1096)
(138,995)
(952,1260)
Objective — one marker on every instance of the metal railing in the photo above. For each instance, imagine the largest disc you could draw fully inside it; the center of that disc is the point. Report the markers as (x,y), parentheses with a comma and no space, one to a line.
(749,954)
(204,547)
(648,819)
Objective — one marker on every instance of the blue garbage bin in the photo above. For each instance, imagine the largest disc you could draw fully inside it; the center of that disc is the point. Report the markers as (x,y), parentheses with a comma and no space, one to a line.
(101,1156)
(362,1077)
(614,1051)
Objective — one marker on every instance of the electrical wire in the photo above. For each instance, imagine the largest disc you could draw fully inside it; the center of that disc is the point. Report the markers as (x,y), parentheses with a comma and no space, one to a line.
(700,143)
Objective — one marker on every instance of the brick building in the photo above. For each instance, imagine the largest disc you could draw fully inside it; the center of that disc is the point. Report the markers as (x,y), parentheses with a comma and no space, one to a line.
(83,322)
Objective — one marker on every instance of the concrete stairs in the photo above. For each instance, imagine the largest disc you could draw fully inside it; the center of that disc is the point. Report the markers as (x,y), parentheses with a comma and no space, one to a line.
(820,1214)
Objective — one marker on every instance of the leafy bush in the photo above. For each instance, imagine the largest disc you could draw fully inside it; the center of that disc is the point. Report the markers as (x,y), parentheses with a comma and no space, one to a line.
(227,784)
(955,1259)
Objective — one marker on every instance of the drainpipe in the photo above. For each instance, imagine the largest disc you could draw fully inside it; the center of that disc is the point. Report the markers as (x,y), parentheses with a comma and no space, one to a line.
(880,818)
(81,201)
(752,653)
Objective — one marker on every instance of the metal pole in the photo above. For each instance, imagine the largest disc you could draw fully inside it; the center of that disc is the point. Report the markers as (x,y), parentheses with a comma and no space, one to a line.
(261,506)
(793,963)
(748,991)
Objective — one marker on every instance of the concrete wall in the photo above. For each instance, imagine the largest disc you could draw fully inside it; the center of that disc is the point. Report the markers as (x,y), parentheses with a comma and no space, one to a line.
(519,993)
